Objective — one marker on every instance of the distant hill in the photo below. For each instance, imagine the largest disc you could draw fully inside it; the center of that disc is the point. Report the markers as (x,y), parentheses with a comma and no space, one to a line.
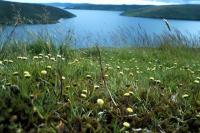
(86,6)
(10,12)
(186,12)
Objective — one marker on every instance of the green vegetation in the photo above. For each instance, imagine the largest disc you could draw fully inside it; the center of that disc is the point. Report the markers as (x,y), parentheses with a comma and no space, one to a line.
(105,7)
(49,89)
(187,12)
(12,13)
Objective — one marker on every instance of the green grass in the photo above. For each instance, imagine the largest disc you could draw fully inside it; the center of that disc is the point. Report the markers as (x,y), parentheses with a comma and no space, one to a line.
(23,13)
(187,12)
(161,84)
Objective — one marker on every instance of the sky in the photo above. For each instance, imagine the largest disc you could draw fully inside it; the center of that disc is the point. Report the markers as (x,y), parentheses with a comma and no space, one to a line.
(152,2)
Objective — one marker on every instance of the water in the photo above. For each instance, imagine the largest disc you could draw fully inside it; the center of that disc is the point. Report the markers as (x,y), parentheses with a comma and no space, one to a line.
(107,28)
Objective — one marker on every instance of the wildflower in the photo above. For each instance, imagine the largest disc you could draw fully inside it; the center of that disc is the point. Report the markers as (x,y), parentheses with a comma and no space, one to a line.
(40,57)
(96,87)
(41,54)
(27,74)
(106,75)
(118,67)
(46,56)
(126,124)
(198,78)
(19,57)
(59,56)
(10,61)
(83,95)
(121,73)
(35,57)
(49,67)
(196,81)
(131,74)
(16,73)
(185,96)
(53,59)
(67,87)
(84,91)
(126,94)
(1,63)
(109,68)
(43,72)
(130,92)
(76,60)
(24,58)
(129,110)
(88,76)
(8,84)
(6,61)
(63,78)
(151,78)
(158,81)
(100,102)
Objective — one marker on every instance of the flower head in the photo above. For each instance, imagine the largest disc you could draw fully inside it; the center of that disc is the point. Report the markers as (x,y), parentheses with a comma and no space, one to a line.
(100,102)
(43,72)
(129,110)
(83,95)
(126,124)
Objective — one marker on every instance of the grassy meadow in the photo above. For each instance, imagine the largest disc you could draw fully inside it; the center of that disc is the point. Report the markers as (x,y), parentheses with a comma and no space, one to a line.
(139,89)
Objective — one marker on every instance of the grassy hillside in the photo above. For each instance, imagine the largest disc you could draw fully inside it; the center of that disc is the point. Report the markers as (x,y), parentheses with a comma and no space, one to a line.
(105,7)
(188,12)
(155,89)
(10,12)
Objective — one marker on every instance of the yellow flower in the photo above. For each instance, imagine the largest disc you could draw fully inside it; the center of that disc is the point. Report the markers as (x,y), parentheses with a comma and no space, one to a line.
(59,56)
(196,81)
(88,76)
(151,78)
(15,73)
(126,94)
(24,58)
(83,95)
(96,87)
(49,67)
(27,74)
(129,110)
(53,59)
(84,91)
(126,124)
(131,74)
(10,61)
(63,78)
(106,75)
(1,63)
(43,72)
(158,81)
(100,102)
(121,73)
(185,96)
(35,57)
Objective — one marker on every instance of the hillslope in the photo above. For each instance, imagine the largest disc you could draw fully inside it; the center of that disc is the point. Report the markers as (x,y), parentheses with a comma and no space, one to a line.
(187,12)
(10,12)
(86,6)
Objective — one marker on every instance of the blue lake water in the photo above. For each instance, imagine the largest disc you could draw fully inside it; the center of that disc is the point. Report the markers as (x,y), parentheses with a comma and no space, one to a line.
(103,27)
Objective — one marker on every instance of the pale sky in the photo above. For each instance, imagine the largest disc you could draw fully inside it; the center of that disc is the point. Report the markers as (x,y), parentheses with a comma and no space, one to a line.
(152,2)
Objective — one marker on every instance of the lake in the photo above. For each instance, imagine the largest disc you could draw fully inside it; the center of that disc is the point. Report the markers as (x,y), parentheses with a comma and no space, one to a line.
(106,28)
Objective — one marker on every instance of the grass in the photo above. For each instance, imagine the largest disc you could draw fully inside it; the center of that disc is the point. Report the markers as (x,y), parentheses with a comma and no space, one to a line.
(156,89)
